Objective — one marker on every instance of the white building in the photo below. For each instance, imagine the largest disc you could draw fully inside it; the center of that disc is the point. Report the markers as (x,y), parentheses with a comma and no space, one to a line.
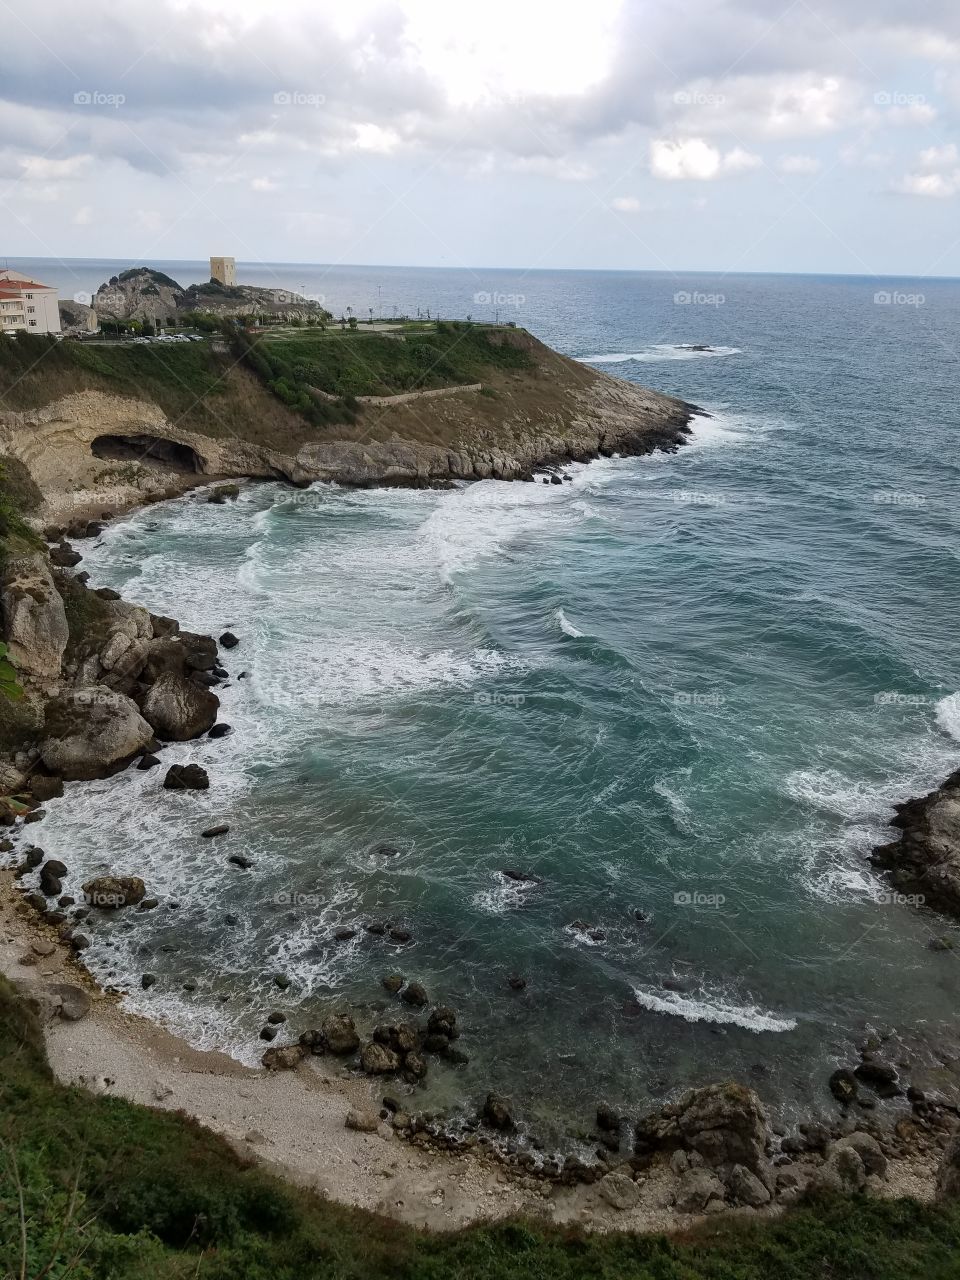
(27,304)
(224,270)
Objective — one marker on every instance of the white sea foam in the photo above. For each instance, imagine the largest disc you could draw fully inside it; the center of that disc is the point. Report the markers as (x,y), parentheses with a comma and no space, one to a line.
(504,895)
(948,715)
(566,626)
(659,351)
(705,1006)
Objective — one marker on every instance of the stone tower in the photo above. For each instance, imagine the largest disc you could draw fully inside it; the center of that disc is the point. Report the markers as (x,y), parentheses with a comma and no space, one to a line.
(224,270)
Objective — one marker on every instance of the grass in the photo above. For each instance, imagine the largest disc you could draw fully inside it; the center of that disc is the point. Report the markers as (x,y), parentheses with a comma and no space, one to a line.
(446,354)
(113,1191)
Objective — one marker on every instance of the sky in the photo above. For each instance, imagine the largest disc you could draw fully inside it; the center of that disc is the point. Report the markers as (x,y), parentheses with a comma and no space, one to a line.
(729,135)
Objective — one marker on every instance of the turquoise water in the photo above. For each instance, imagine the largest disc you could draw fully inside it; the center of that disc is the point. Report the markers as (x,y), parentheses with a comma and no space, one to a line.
(688,686)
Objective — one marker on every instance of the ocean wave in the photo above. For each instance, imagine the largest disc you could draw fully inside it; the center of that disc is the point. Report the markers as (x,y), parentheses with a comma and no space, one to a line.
(947,712)
(660,351)
(704,1006)
(566,626)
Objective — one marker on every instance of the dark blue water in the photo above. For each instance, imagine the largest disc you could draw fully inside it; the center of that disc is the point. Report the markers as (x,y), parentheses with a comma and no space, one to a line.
(687,686)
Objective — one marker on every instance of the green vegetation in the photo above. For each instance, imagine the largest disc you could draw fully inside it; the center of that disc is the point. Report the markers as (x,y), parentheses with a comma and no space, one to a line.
(9,688)
(94,1188)
(18,497)
(361,363)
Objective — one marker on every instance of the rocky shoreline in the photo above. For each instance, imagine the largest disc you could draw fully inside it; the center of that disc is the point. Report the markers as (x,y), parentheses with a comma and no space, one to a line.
(924,862)
(111,683)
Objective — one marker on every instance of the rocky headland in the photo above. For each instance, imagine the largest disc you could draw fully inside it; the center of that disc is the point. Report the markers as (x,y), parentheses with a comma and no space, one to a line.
(925,859)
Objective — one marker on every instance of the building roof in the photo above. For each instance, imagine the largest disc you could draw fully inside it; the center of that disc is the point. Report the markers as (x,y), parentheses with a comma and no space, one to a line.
(19,283)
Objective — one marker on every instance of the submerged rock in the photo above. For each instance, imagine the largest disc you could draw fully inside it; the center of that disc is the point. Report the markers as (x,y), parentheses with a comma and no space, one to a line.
(186,777)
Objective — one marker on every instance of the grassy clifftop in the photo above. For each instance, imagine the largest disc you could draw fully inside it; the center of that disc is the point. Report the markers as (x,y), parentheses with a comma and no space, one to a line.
(96,1188)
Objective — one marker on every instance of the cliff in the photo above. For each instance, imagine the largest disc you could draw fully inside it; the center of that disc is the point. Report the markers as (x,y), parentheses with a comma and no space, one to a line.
(112,426)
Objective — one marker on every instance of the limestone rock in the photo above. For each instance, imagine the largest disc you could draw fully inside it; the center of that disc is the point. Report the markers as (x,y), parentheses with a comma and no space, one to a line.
(92,733)
(340,1034)
(178,709)
(111,892)
(33,616)
(619,1191)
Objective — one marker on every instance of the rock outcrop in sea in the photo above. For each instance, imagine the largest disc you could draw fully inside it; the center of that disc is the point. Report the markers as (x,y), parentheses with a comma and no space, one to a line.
(925,860)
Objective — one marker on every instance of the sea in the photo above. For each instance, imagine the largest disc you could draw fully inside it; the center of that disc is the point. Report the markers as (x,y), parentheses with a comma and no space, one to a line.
(679,695)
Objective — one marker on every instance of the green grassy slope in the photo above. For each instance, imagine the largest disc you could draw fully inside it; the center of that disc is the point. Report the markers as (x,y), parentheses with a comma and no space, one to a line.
(112,1191)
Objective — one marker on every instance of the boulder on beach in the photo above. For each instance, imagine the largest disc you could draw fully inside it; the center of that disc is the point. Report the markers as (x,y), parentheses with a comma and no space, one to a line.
(178,709)
(377,1059)
(283,1057)
(92,733)
(340,1034)
(726,1124)
(497,1112)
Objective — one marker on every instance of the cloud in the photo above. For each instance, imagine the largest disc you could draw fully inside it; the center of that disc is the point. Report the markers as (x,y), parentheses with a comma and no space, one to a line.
(696,160)
(937,175)
(626,204)
(263,184)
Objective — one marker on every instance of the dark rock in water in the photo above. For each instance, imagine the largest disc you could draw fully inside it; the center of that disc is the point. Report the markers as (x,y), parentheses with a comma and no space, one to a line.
(393,982)
(190,985)
(377,928)
(384,850)
(642,917)
(674,984)
(205,678)
(925,860)
(344,935)
(520,877)
(36,815)
(436,1043)
(221,673)
(147,980)
(268,1033)
(377,1059)
(415,993)
(228,640)
(555,480)
(456,1056)
(497,1112)
(313,1041)
(244,675)
(881,1077)
(178,709)
(149,904)
(516,983)
(79,942)
(112,892)
(51,875)
(231,919)
(340,1034)
(241,860)
(220,830)
(186,777)
(443,1022)
(843,1085)
(276,1018)
(401,1037)
(608,1121)
(281,980)
(414,1066)
(400,935)
(33,857)
(220,731)
(64,556)
(148,762)
(66,901)
(37,901)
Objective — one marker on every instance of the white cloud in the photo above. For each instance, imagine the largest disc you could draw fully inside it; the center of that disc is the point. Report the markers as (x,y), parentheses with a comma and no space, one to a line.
(83,216)
(567,170)
(938,174)
(45,169)
(263,184)
(626,204)
(694,159)
(798,164)
(767,105)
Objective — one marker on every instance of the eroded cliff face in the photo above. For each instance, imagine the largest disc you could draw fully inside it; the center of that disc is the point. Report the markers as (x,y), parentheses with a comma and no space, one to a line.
(91,450)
